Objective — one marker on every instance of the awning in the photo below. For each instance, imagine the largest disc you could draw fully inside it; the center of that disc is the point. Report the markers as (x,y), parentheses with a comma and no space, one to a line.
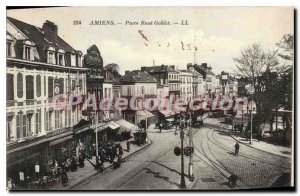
(167,113)
(113,125)
(60,140)
(144,113)
(100,127)
(170,119)
(126,126)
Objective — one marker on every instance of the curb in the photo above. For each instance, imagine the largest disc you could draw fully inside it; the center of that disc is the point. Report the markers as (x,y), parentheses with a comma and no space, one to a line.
(229,133)
(256,148)
(87,178)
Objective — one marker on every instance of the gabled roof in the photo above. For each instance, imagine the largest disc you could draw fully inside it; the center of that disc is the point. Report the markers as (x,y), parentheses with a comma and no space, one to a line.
(161,68)
(36,35)
(137,76)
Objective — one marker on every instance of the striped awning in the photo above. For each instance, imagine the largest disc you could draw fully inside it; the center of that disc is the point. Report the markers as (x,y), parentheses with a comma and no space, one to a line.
(113,125)
(126,126)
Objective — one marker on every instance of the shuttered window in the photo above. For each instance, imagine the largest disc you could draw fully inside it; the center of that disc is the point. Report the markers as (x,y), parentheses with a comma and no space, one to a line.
(9,87)
(38,85)
(20,85)
(29,87)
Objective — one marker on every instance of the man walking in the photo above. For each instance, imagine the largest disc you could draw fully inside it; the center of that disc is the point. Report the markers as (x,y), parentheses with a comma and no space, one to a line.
(160,127)
(237,148)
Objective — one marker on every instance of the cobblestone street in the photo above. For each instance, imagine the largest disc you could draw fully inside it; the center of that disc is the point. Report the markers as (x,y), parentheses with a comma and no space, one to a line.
(156,167)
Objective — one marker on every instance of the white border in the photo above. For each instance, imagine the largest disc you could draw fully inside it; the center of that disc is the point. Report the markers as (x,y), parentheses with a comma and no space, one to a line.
(294,3)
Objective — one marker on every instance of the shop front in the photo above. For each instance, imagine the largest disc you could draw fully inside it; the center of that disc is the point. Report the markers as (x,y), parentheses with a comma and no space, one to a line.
(26,163)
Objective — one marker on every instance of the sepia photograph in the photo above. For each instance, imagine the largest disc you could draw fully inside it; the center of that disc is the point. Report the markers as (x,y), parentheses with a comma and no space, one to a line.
(150,98)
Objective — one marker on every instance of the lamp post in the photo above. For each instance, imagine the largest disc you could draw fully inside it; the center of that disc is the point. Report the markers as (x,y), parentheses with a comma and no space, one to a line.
(191,173)
(182,179)
(251,91)
(96,129)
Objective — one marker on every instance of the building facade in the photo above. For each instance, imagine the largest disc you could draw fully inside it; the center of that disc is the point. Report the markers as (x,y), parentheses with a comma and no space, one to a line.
(186,85)
(140,86)
(40,67)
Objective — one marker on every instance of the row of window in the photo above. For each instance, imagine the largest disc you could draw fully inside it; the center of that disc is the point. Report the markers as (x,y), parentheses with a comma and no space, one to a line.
(186,79)
(55,86)
(173,77)
(53,57)
(187,90)
(174,86)
(24,122)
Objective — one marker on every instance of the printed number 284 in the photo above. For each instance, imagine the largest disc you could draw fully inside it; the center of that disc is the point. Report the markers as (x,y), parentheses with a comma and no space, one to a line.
(76,22)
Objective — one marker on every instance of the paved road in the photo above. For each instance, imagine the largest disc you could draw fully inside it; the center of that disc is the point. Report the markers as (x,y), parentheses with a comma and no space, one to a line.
(156,167)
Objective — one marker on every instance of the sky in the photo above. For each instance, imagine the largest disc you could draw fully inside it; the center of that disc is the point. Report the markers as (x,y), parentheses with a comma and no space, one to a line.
(218,33)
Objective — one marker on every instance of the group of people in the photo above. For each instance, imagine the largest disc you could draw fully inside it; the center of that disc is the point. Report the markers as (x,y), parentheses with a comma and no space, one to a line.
(112,154)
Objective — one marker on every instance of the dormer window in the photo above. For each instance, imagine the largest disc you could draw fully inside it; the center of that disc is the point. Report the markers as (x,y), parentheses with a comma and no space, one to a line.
(8,49)
(78,61)
(78,58)
(60,59)
(51,57)
(27,52)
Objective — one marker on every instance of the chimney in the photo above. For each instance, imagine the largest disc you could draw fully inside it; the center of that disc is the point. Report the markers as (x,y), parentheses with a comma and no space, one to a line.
(127,72)
(50,31)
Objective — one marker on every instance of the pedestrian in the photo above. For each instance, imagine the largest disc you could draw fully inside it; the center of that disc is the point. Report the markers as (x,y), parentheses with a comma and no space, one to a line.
(73,164)
(160,127)
(64,177)
(99,165)
(237,148)
(81,160)
(120,155)
(10,184)
(232,180)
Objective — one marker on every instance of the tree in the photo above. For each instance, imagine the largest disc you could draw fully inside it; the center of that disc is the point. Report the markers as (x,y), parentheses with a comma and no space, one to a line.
(252,64)
(287,45)
(286,53)
(114,69)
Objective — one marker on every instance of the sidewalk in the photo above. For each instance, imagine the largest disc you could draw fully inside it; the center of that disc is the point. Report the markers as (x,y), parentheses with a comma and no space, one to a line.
(259,145)
(88,170)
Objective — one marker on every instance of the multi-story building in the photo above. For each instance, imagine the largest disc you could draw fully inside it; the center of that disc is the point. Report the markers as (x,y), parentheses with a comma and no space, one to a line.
(166,75)
(211,81)
(139,85)
(229,84)
(198,83)
(186,85)
(99,81)
(40,65)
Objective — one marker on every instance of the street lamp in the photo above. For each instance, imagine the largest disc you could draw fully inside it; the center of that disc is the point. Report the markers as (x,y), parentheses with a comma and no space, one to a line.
(191,173)
(251,90)
(182,179)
